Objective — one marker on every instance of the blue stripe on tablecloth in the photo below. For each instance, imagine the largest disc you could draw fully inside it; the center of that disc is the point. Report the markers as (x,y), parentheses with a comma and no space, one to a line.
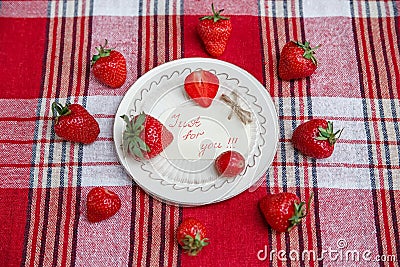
(42,252)
(35,143)
(78,189)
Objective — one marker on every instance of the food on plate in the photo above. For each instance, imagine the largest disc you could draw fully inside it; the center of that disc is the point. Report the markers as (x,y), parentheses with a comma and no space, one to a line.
(145,137)
(202,86)
(214,31)
(101,204)
(109,66)
(230,163)
(191,235)
(297,61)
(315,138)
(74,123)
(283,211)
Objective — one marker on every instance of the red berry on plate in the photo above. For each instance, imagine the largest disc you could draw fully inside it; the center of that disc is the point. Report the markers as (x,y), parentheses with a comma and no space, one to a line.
(297,61)
(230,163)
(101,204)
(145,136)
(74,123)
(315,138)
(283,211)
(202,86)
(109,67)
(215,31)
(191,235)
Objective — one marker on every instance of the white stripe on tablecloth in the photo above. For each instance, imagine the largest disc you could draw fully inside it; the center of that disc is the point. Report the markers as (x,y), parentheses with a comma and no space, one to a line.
(311,9)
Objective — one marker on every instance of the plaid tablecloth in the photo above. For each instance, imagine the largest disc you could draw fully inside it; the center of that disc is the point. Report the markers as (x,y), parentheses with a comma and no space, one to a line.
(45,52)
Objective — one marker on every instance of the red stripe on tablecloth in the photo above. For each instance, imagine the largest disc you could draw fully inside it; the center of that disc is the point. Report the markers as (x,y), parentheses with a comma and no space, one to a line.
(394,94)
(369,56)
(13,209)
(55,228)
(140,240)
(21,74)
(374,94)
(147,235)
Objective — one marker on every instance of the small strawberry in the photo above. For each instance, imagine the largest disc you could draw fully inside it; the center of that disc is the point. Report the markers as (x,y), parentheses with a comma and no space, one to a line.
(230,163)
(191,235)
(101,204)
(315,138)
(214,31)
(74,123)
(283,211)
(202,86)
(109,66)
(145,136)
(297,61)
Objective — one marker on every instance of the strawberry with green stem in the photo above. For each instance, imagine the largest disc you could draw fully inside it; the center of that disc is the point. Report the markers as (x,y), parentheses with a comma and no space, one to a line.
(74,123)
(297,60)
(191,235)
(283,211)
(315,138)
(214,31)
(109,66)
(145,137)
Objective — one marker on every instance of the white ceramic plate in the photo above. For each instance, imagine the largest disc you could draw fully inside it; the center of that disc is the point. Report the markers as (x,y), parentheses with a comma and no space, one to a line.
(184,172)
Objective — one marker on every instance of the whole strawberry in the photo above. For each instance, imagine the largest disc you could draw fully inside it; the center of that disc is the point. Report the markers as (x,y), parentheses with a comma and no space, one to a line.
(145,136)
(191,235)
(283,211)
(109,66)
(74,123)
(101,204)
(214,31)
(297,61)
(230,163)
(315,138)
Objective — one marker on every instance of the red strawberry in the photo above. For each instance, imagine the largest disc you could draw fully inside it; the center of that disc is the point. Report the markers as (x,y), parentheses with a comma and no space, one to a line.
(101,204)
(283,211)
(191,235)
(109,67)
(202,86)
(230,163)
(145,136)
(74,123)
(214,31)
(315,138)
(297,61)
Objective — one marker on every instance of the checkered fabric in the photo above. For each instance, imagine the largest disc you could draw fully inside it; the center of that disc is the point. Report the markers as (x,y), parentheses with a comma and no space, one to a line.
(45,52)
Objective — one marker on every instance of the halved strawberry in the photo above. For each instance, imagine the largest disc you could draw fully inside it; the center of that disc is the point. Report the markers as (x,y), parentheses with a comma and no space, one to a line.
(202,86)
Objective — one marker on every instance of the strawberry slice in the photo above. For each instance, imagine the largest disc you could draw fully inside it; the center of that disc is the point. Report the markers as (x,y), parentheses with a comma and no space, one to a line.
(202,86)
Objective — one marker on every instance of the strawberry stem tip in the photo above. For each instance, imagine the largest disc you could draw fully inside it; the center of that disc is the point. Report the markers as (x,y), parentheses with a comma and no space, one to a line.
(216,15)
(103,52)
(192,246)
(328,134)
(60,110)
(308,50)
(299,213)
